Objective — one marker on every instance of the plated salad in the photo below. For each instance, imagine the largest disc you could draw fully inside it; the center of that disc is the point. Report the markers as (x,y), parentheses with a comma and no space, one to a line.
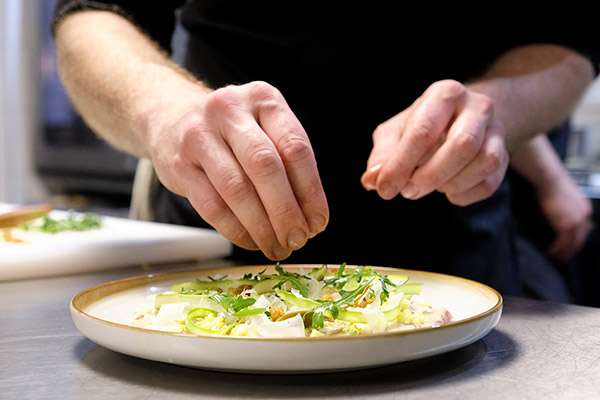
(321,302)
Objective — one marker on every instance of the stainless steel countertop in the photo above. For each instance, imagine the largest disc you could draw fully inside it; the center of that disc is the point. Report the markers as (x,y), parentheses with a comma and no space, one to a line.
(539,351)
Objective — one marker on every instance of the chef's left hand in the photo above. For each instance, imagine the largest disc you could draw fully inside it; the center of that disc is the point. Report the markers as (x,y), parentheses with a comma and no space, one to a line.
(448,140)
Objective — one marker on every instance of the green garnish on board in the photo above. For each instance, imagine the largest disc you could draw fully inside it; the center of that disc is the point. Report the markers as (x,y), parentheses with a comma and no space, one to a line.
(71,223)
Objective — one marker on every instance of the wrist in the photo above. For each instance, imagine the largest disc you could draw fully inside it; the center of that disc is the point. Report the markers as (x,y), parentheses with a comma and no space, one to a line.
(168,97)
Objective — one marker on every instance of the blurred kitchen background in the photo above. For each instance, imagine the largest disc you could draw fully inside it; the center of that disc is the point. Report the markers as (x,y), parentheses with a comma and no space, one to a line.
(47,152)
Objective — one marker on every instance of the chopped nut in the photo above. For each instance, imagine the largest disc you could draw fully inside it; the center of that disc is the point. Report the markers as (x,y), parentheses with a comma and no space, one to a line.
(275,312)
(239,289)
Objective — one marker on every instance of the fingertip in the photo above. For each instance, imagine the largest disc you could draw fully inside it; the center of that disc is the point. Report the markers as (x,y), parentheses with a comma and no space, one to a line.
(411,191)
(387,191)
(318,223)
(367,181)
(369,177)
(297,239)
(277,253)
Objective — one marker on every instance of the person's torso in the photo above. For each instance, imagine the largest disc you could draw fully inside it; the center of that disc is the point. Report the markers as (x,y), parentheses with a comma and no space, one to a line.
(343,71)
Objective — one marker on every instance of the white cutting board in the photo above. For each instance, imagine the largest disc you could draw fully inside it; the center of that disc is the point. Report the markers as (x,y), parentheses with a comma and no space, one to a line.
(120,242)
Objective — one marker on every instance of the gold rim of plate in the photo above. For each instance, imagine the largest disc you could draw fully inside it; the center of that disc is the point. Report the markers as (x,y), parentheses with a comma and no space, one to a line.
(89,296)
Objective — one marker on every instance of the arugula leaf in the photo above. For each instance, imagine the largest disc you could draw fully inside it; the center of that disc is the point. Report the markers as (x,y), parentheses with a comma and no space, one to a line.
(340,271)
(349,297)
(317,319)
(339,279)
(230,303)
(240,303)
(318,314)
(385,292)
(333,307)
(258,277)
(319,274)
(293,279)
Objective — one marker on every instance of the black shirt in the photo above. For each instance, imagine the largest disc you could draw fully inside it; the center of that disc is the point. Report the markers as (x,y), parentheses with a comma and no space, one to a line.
(344,69)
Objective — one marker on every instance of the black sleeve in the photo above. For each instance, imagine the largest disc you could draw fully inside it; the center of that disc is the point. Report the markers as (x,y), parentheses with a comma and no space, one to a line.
(155,18)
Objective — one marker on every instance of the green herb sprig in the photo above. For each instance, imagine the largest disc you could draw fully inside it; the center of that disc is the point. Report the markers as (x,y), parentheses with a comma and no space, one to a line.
(293,278)
(73,222)
(232,303)
(317,316)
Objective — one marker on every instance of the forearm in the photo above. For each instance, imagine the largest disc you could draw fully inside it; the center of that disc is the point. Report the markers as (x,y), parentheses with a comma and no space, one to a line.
(117,78)
(537,162)
(534,89)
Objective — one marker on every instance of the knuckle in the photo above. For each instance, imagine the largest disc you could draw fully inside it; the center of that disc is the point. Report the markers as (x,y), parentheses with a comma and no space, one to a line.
(193,119)
(486,104)
(493,161)
(262,161)
(423,132)
(449,89)
(235,187)
(211,209)
(287,211)
(294,149)
(179,164)
(378,132)
(193,140)
(261,90)
(468,143)
(222,100)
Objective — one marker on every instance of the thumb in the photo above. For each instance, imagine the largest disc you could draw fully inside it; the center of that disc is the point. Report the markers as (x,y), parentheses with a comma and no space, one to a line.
(385,138)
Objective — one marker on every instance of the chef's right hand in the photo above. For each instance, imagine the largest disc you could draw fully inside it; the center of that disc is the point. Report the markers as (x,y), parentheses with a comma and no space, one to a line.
(245,163)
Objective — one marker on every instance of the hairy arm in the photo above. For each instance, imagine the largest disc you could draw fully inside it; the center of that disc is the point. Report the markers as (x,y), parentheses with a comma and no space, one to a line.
(117,77)
(534,89)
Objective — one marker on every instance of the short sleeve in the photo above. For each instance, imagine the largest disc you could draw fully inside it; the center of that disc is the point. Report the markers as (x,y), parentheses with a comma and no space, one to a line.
(155,18)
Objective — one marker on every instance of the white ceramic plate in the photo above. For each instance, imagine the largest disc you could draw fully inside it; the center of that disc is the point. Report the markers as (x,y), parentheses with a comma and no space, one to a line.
(102,314)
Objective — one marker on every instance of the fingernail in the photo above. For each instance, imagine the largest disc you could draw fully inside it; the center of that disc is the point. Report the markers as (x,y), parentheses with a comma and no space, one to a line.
(366,180)
(368,185)
(317,224)
(296,239)
(280,253)
(410,191)
(374,168)
(388,191)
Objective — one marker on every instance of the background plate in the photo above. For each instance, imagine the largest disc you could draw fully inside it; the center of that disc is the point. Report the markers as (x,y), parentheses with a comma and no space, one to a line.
(119,243)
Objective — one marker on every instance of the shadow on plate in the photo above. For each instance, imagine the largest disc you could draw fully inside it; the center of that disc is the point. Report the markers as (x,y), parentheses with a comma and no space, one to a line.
(496,350)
